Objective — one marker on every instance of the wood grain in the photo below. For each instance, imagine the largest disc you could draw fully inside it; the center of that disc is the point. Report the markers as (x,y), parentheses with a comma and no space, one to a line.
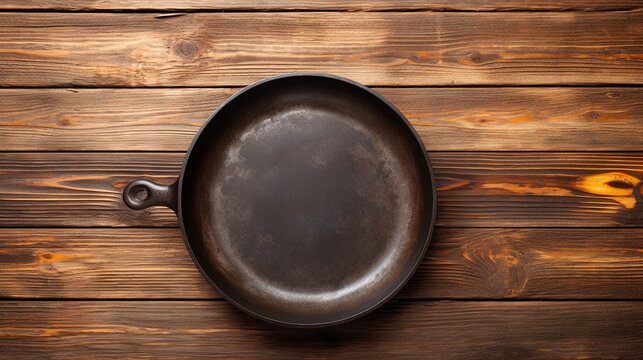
(487,5)
(80,189)
(386,48)
(445,330)
(506,189)
(461,264)
(483,85)
(446,118)
(539,189)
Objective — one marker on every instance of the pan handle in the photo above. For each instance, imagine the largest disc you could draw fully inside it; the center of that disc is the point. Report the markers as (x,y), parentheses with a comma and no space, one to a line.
(141,194)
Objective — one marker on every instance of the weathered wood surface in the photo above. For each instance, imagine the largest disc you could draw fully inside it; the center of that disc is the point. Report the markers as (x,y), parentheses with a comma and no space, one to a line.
(461,264)
(505,189)
(446,118)
(444,330)
(386,48)
(540,185)
(487,5)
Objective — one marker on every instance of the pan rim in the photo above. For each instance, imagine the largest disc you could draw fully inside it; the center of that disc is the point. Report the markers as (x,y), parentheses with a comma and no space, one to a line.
(357,314)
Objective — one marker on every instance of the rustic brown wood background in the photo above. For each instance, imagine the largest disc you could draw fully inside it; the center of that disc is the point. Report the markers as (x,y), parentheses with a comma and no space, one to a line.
(532,115)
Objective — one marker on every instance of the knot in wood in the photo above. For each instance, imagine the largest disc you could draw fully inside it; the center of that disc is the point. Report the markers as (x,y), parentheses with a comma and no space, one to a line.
(480,58)
(185,49)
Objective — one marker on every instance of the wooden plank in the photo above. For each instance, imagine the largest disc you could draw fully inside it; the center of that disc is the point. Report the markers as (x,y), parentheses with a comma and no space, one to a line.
(461,263)
(80,189)
(506,189)
(444,330)
(479,118)
(386,48)
(539,189)
(488,5)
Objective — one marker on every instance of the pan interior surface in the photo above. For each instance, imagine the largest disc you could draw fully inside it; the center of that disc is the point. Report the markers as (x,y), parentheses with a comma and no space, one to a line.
(307,200)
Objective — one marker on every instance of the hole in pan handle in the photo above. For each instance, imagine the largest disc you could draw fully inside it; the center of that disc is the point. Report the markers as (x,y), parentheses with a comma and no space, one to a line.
(141,194)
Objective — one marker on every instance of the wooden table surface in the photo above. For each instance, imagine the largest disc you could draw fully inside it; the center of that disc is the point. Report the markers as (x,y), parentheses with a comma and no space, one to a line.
(532,115)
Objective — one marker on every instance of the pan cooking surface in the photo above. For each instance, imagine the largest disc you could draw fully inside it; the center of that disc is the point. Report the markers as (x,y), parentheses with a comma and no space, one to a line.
(307,200)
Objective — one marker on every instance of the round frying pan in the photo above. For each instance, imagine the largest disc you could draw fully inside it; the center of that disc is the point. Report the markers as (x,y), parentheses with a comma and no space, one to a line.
(305,200)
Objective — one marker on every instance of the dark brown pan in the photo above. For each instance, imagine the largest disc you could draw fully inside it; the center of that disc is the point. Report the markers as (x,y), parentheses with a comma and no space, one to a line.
(305,200)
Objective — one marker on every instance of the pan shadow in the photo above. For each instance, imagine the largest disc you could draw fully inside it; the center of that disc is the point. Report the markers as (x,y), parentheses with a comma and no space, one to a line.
(367,329)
